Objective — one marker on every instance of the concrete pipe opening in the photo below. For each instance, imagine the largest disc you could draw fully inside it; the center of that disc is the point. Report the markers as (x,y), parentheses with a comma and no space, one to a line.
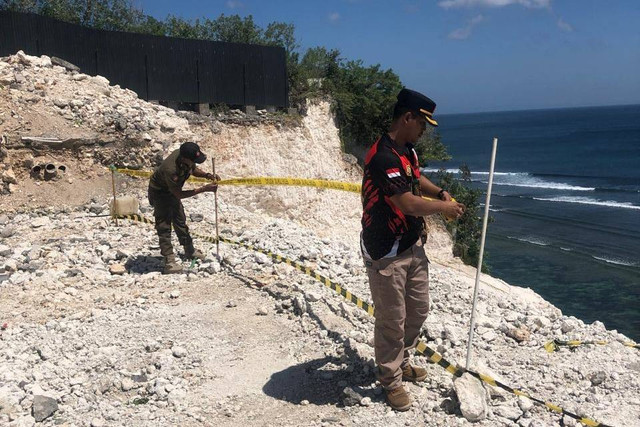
(62,169)
(36,170)
(50,171)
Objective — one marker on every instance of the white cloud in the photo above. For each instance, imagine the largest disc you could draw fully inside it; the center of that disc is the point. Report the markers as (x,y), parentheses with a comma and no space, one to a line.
(564,26)
(234,4)
(533,4)
(464,32)
(334,17)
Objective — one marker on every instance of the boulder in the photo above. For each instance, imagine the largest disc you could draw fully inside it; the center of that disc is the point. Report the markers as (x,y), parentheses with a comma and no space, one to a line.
(350,397)
(61,62)
(5,250)
(117,269)
(508,411)
(9,176)
(43,407)
(40,222)
(472,397)
(23,58)
(519,334)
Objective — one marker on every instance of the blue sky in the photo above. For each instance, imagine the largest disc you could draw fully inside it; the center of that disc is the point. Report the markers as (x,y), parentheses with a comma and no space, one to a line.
(468,55)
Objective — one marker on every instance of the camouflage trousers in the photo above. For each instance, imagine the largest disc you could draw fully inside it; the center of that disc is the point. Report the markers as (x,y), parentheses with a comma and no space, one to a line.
(168,211)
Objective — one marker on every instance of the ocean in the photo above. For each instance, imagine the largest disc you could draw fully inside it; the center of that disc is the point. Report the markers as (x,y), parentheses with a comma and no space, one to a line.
(565,204)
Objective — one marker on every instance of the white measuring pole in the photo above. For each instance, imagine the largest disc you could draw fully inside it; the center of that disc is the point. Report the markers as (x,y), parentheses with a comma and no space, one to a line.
(484,234)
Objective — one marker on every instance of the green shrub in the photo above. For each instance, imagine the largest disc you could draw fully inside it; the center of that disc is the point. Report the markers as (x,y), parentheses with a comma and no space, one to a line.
(467,230)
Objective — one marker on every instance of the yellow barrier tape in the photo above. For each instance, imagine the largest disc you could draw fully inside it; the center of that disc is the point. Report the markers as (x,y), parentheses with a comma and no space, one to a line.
(488,380)
(297,182)
(554,345)
(588,422)
(520,393)
(285,181)
(421,346)
(553,407)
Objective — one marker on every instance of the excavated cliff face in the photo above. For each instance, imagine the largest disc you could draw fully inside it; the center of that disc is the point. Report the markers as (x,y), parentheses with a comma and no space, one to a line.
(311,150)
(56,116)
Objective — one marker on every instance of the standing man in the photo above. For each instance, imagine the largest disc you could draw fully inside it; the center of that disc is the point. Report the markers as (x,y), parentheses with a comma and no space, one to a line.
(165,193)
(392,241)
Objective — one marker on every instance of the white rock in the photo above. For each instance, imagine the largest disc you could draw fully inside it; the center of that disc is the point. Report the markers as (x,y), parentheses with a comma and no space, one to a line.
(117,269)
(100,80)
(489,336)
(525,404)
(10,265)
(567,326)
(127,384)
(5,250)
(9,176)
(45,61)
(508,411)
(40,222)
(542,321)
(178,352)
(366,401)
(176,396)
(312,296)
(23,58)
(472,397)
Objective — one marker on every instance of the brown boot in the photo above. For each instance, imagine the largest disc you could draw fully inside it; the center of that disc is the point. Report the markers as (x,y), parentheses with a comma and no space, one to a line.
(171,266)
(414,373)
(191,253)
(399,399)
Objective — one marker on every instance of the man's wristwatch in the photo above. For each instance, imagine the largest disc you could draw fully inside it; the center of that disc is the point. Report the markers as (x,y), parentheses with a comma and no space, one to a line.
(441,193)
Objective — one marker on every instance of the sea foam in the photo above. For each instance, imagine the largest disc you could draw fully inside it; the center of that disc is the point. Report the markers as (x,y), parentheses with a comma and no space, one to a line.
(589,201)
(518,179)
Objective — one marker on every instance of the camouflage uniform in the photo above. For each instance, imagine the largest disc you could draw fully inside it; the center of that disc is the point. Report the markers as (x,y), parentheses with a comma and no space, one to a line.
(169,177)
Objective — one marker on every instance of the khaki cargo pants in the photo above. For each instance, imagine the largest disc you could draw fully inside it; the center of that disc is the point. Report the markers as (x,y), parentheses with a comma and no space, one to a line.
(167,211)
(400,291)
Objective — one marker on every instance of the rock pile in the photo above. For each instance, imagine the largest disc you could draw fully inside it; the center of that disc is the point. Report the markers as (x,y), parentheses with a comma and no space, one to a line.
(98,113)
(100,348)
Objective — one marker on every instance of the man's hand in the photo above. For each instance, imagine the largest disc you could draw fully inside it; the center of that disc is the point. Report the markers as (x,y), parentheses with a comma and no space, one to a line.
(453,210)
(212,177)
(445,196)
(211,188)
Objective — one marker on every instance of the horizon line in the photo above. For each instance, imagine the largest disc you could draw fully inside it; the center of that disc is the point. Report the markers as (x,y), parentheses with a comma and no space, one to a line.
(540,109)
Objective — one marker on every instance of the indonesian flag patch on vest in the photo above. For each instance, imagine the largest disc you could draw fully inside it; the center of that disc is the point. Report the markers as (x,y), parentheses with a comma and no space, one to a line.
(393,173)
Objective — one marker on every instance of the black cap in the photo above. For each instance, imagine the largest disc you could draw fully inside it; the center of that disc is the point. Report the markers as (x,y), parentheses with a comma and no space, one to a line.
(418,103)
(191,151)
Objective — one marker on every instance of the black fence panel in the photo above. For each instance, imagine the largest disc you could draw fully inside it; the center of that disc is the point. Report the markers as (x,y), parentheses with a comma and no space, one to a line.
(156,68)
(275,72)
(122,61)
(230,68)
(20,30)
(172,70)
(70,42)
